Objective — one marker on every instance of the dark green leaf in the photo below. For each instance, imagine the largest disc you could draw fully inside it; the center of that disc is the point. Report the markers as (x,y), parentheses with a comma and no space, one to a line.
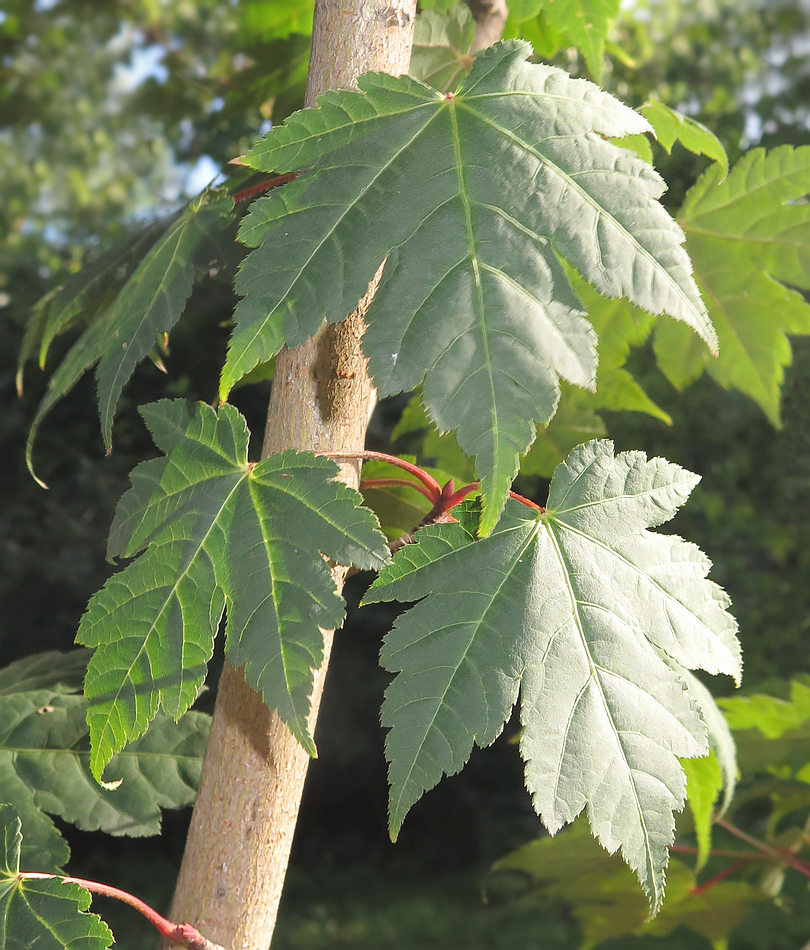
(473,299)
(45,761)
(218,530)
(567,606)
(40,913)
(149,304)
(604,897)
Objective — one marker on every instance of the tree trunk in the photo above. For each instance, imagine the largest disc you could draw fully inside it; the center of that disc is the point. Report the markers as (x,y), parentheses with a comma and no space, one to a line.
(253,776)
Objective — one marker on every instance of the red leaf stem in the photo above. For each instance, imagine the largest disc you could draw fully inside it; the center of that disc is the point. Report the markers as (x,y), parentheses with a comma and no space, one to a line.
(263,186)
(726,872)
(395,482)
(427,480)
(782,855)
(183,934)
(719,853)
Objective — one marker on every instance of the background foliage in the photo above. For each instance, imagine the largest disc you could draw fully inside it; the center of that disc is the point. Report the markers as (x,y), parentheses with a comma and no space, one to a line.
(162,94)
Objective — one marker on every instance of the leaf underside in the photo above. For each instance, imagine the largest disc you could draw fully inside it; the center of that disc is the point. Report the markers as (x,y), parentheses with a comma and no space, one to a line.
(569,608)
(470,198)
(218,531)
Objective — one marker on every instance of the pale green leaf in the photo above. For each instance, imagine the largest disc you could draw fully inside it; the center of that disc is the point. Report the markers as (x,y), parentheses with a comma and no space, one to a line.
(586,24)
(573,423)
(772,716)
(440,55)
(671,126)
(473,299)
(41,913)
(277,19)
(148,305)
(639,144)
(567,606)
(218,530)
(720,738)
(749,238)
(704,782)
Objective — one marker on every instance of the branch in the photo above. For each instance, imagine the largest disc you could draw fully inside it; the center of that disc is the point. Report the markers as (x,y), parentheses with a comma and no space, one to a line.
(183,934)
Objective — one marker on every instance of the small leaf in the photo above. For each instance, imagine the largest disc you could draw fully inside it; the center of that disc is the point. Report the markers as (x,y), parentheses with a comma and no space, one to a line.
(277,19)
(773,717)
(149,304)
(441,47)
(218,530)
(567,606)
(671,126)
(42,913)
(704,782)
(472,261)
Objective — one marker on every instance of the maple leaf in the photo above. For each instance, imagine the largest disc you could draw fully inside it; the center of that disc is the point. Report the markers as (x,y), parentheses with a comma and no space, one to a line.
(218,530)
(749,238)
(45,756)
(473,299)
(567,606)
(148,305)
(46,914)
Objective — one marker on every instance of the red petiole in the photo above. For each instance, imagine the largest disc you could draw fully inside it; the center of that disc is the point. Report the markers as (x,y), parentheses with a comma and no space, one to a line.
(183,934)
(444,498)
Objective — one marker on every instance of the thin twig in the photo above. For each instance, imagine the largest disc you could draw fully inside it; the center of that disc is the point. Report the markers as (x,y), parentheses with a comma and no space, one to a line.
(183,934)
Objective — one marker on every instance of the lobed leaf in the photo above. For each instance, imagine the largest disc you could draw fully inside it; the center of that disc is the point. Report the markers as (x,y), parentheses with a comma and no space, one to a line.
(41,913)
(748,235)
(429,181)
(569,607)
(671,126)
(586,24)
(45,761)
(440,56)
(148,305)
(216,530)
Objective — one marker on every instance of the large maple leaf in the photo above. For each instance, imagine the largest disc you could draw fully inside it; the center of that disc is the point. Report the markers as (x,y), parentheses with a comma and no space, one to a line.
(570,607)
(471,196)
(749,238)
(218,530)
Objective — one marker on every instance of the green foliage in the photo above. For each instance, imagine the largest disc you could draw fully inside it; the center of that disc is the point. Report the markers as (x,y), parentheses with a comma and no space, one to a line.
(603,895)
(478,246)
(471,260)
(671,126)
(147,306)
(45,760)
(218,530)
(46,914)
(749,238)
(441,47)
(565,591)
